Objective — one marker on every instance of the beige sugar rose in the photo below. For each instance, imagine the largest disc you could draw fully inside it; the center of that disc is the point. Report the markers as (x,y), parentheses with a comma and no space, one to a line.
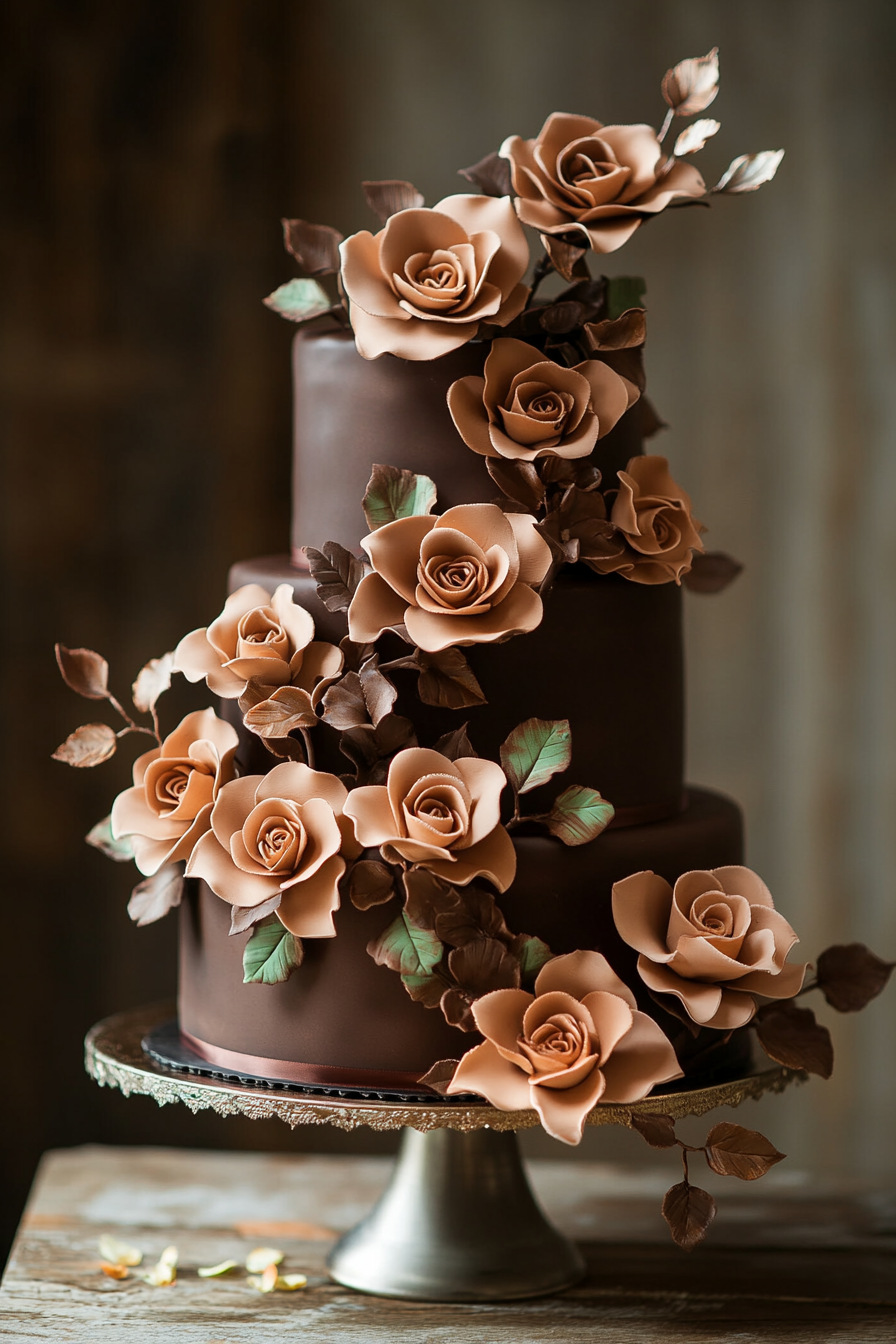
(714,942)
(280,833)
(463,578)
(423,285)
(579,1039)
(175,785)
(595,184)
(444,815)
(653,515)
(261,637)
(527,406)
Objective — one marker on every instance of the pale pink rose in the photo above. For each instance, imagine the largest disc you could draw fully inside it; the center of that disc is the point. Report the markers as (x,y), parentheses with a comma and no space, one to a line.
(594,184)
(714,942)
(424,284)
(443,815)
(579,1039)
(260,637)
(175,785)
(280,833)
(463,578)
(652,515)
(527,406)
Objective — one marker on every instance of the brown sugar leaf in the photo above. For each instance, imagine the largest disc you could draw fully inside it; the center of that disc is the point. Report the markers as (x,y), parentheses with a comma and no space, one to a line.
(84,671)
(440,1075)
(792,1037)
(732,1150)
(378,691)
(562,317)
(152,681)
(370,883)
(491,175)
(457,1010)
(288,708)
(483,965)
(386,198)
(688,1211)
(519,481)
(579,815)
(314,246)
(447,680)
(532,954)
(89,745)
(850,975)
(344,705)
(244,917)
(336,572)
(692,84)
(152,898)
(618,333)
(563,255)
(656,1130)
(711,572)
(456,746)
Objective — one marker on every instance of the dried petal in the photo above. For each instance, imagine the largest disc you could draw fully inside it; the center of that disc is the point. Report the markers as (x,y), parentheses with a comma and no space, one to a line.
(695,136)
(314,246)
(290,1282)
(386,198)
(749,171)
(164,1273)
(89,745)
(118,1252)
(215,1271)
(152,681)
(261,1258)
(692,84)
(84,671)
(265,1282)
(114,1271)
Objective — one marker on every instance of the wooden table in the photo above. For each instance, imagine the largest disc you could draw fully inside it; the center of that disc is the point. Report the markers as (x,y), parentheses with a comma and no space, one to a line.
(785,1260)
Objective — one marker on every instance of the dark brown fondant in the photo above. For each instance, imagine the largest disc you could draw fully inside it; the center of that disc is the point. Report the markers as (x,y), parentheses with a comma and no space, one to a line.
(340,1009)
(351,412)
(607,656)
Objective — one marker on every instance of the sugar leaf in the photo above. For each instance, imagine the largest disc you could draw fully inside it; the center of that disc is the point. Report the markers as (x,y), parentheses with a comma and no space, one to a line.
(89,745)
(394,493)
(84,671)
(405,948)
(695,136)
(850,976)
(299,300)
(688,1212)
(100,837)
(534,751)
(748,172)
(732,1150)
(386,198)
(152,898)
(271,954)
(579,815)
(152,681)
(692,84)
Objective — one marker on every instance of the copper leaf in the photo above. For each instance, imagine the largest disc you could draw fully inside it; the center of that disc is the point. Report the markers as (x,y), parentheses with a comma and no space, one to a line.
(749,171)
(394,493)
(624,292)
(463,914)
(370,883)
(618,333)
(440,1075)
(242,917)
(534,751)
(344,705)
(579,815)
(711,572)
(657,1130)
(91,744)
(100,837)
(850,976)
(483,965)
(532,954)
(152,681)
(388,197)
(424,893)
(689,1212)
(562,317)
(692,84)
(732,1150)
(299,300)
(379,693)
(695,136)
(520,481)
(491,175)
(366,746)
(447,680)
(791,1036)
(456,746)
(405,948)
(563,255)
(271,954)
(314,246)
(336,572)
(456,1006)
(426,988)
(156,895)
(84,671)
(288,708)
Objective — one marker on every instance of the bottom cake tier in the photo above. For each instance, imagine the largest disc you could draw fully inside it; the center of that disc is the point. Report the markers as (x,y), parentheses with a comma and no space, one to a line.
(341,1020)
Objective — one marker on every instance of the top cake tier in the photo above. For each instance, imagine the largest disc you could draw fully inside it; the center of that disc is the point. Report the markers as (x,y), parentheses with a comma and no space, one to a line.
(352,412)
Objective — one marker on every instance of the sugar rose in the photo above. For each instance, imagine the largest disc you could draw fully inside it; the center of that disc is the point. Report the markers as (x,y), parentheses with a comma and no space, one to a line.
(444,815)
(462,578)
(653,515)
(175,785)
(261,637)
(527,406)
(424,283)
(280,833)
(578,1040)
(592,182)
(714,941)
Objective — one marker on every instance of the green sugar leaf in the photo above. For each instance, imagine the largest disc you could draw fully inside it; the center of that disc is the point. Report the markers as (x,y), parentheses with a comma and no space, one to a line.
(271,954)
(299,300)
(536,750)
(624,292)
(532,954)
(579,815)
(395,493)
(406,949)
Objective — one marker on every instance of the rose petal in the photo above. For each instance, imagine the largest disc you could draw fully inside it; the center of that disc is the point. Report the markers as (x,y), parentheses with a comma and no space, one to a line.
(307,906)
(485,1071)
(643,1058)
(394,551)
(641,908)
(469,414)
(494,858)
(374,608)
(520,611)
(499,1016)
(581,973)
(369,810)
(213,864)
(363,279)
(563,1113)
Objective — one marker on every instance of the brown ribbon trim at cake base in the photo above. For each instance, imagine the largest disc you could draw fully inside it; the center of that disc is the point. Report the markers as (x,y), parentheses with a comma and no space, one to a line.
(314,1075)
(644,815)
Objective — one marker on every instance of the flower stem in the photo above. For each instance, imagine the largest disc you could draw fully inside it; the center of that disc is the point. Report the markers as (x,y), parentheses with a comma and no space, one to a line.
(543,268)
(664,129)
(309,747)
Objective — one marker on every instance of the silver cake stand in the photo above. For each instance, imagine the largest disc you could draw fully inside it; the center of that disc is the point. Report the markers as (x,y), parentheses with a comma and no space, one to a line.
(458,1221)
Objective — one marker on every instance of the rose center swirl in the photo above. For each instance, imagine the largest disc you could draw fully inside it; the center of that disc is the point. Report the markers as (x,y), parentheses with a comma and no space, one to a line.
(280,843)
(439,275)
(261,627)
(454,581)
(556,1044)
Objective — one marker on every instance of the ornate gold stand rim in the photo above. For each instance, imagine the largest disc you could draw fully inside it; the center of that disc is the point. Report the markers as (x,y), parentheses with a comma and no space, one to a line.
(114,1058)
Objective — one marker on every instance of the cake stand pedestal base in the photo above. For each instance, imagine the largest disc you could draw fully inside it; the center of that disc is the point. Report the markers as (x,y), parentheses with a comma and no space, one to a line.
(457,1223)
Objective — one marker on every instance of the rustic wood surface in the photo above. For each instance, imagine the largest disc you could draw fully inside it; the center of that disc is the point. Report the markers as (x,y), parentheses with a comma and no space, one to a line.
(787,1260)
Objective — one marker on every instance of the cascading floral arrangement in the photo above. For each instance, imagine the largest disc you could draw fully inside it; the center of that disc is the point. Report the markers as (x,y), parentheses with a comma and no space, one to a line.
(421,824)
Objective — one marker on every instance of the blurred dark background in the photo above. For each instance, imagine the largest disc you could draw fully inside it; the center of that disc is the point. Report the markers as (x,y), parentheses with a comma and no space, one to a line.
(150,149)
